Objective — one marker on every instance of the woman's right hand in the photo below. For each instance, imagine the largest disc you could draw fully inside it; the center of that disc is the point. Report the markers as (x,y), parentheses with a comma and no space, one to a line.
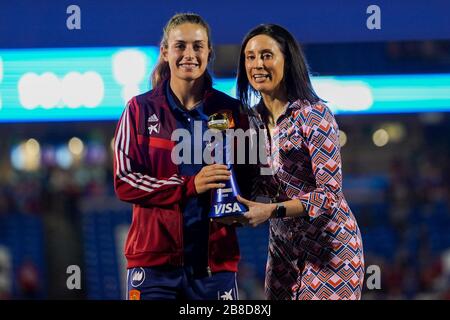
(209,177)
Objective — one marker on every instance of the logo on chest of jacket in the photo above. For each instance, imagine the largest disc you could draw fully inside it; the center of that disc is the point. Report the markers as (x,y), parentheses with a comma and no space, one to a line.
(153,124)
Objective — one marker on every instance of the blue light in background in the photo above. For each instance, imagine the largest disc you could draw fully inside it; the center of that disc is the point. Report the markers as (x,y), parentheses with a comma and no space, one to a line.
(76,84)
(72,83)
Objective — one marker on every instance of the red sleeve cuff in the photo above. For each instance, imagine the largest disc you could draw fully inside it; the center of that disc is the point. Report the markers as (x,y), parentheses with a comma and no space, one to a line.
(190,186)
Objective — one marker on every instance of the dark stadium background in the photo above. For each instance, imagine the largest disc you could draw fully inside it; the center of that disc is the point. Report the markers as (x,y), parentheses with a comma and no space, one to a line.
(55,216)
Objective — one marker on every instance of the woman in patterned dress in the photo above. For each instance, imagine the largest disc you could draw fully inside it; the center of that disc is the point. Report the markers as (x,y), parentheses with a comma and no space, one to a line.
(315,246)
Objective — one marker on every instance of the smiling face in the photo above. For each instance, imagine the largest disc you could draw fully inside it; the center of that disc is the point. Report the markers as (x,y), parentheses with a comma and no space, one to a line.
(187,51)
(264,64)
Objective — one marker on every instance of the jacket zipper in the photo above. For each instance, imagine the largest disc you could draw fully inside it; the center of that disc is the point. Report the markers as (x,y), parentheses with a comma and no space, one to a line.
(180,230)
(208,268)
(181,236)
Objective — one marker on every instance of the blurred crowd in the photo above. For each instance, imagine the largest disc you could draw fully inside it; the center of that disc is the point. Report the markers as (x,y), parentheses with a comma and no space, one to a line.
(406,234)
(418,220)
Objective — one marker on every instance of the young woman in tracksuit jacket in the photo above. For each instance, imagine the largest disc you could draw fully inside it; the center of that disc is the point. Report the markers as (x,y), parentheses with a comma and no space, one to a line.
(173,250)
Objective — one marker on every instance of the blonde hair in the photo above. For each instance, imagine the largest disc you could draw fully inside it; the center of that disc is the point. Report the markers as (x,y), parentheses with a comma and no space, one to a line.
(161,71)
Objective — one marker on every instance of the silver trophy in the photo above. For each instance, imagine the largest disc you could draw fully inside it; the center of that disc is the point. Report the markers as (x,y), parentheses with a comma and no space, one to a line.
(224,200)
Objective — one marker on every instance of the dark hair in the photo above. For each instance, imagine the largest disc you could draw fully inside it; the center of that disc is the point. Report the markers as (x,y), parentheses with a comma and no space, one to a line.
(296,74)
(162,70)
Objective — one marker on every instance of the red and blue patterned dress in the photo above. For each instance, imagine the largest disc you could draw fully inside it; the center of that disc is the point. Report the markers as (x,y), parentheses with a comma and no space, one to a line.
(320,255)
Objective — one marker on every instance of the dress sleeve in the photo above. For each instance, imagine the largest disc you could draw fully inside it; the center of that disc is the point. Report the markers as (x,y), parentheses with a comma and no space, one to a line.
(321,133)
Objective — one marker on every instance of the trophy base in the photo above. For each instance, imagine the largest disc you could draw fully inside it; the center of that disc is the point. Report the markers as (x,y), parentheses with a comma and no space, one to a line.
(239,220)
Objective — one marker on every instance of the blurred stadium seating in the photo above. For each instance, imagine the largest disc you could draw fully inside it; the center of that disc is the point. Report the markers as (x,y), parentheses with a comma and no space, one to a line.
(57,204)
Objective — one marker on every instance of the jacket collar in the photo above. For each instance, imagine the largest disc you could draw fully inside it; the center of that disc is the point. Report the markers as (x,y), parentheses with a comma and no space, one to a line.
(160,92)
